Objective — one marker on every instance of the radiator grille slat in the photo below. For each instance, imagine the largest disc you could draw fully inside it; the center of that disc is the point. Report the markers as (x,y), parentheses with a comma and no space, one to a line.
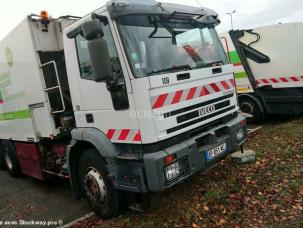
(195,121)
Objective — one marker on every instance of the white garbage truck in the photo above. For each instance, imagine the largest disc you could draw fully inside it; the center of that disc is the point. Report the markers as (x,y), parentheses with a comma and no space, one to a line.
(129,100)
(268,66)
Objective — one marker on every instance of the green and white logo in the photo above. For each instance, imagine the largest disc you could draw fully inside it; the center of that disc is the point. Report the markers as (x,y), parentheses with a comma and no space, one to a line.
(9,57)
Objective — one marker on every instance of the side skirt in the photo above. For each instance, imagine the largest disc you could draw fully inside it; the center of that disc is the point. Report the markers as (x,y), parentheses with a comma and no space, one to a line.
(283,101)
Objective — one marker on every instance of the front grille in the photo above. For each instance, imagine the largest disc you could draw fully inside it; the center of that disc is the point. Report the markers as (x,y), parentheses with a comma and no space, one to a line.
(182,110)
(171,130)
(162,145)
(195,114)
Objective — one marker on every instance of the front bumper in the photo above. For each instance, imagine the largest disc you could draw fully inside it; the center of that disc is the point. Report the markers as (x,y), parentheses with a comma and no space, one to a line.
(151,177)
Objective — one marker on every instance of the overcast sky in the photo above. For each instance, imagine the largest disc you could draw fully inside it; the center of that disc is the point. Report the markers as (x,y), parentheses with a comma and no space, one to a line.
(249,13)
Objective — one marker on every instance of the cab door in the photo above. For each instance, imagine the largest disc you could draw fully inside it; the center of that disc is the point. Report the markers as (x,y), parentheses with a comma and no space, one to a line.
(100,107)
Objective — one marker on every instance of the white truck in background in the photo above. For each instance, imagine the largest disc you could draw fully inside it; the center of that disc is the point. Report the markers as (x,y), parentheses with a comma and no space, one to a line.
(133,98)
(268,65)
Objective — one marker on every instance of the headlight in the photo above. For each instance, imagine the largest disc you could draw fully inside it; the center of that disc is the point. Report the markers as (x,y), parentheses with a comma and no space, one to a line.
(172,171)
(240,134)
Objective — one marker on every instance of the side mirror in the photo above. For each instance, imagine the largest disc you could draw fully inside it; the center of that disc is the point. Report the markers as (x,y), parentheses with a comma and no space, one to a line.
(92,29)
(98,50)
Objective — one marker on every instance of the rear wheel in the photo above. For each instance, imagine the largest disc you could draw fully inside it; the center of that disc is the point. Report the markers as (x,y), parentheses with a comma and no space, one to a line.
(103,198)
(2,163)
(252,107)
(10,159)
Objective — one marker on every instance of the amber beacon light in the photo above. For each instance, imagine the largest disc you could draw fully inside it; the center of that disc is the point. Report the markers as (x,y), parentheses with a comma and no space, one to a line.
(44,15)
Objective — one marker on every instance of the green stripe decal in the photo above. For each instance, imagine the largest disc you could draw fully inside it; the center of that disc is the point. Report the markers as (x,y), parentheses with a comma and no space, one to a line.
(234,57)
(22,114)
(240,75)
(1,99)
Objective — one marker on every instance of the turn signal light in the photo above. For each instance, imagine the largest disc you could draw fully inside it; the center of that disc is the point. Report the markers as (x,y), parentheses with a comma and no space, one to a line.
(243,123)
(169,159)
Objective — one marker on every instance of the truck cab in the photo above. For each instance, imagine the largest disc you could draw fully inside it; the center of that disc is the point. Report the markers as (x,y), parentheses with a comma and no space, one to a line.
(151,81)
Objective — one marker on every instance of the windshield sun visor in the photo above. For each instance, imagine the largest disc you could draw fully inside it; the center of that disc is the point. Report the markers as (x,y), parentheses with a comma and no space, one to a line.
(118,8)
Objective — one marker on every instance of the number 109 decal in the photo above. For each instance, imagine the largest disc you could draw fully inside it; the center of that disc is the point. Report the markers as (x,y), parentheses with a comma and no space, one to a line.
(165,80)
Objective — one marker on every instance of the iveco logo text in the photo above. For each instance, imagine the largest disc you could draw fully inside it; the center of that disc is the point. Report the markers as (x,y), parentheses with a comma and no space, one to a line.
(207,110)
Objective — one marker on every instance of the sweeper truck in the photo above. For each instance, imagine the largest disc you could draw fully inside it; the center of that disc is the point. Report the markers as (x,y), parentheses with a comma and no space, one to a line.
(126,101)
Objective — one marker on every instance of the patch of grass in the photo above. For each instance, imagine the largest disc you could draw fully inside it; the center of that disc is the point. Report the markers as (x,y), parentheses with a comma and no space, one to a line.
(190,215)
(215,195)
(294,185)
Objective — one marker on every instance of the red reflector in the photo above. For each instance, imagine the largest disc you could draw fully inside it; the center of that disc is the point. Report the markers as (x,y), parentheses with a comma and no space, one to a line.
(59,149)
(169,159)
(243,123)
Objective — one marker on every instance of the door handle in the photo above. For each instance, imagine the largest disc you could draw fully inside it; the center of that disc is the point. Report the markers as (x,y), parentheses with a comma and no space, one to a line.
(89,118)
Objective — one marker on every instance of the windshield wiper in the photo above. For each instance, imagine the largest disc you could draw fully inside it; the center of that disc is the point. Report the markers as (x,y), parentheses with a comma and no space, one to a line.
(171,69)
(210,64)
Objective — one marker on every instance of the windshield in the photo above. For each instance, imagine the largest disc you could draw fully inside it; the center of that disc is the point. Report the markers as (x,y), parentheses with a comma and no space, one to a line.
(156,45)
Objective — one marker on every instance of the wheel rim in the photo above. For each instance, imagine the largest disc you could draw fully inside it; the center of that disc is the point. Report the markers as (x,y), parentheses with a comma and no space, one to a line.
(247,107)
(8,161)
(94,186)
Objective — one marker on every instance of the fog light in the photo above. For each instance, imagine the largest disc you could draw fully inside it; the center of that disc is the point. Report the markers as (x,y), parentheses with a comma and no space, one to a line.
(172,171)
(240,134)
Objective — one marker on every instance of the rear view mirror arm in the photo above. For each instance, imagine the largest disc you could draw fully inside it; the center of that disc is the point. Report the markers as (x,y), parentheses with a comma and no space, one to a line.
(78,30)
(75,32)
(102,18)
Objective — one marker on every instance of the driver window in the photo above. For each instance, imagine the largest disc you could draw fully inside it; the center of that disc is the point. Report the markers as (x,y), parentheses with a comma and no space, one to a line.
(119,96)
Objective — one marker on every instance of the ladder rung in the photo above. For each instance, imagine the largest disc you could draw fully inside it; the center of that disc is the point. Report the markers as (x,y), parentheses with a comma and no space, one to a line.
(58,111)
(52,88)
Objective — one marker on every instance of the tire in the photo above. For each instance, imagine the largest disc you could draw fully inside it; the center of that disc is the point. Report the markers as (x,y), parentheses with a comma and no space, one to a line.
(252,107)
(10,159)
(2,164)
(102,197)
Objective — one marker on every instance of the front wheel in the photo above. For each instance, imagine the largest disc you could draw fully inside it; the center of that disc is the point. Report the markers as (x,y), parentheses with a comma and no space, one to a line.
(103,198)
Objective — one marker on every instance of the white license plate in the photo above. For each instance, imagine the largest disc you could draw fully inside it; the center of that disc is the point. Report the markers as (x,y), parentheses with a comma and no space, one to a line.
(215,152)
